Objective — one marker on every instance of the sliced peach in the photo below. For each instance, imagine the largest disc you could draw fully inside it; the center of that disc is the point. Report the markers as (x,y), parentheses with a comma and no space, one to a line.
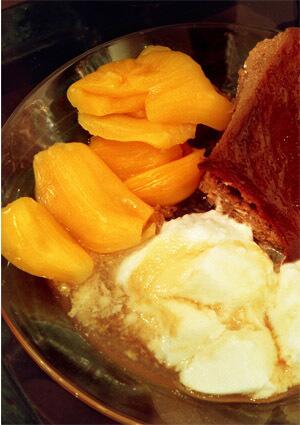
(116,79)
(168,69)
(157,69)
(168,86)
(103,105)
(127,129)
(33,241)
(185,94)
(132,158)
(87,198)
(170,183)
(195,101)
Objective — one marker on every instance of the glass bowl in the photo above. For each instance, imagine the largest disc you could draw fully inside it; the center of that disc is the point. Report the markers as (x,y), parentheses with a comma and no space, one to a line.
(29,307)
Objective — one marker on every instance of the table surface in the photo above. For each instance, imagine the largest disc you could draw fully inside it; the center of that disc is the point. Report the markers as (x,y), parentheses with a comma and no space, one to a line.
(38,37)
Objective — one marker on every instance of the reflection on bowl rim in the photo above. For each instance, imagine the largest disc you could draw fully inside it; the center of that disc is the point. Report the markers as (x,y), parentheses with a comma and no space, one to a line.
(35,355)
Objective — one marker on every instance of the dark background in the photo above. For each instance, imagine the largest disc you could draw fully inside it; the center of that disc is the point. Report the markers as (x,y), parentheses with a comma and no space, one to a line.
(38,37)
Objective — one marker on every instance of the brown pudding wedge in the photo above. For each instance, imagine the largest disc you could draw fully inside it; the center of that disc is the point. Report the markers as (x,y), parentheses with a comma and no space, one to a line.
(253,172)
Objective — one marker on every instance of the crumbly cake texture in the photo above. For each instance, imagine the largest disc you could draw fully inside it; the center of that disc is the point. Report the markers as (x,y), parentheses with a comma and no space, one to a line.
(253,172)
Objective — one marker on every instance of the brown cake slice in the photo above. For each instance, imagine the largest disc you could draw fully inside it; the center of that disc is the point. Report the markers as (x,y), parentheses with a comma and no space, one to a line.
(253,172)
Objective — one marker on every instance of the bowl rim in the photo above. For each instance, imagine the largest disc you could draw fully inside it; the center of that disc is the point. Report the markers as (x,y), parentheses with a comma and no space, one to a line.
(64,382)
(33,352)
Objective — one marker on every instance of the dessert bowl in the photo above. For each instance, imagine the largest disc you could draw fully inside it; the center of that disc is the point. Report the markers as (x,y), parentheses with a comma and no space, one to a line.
(33,312)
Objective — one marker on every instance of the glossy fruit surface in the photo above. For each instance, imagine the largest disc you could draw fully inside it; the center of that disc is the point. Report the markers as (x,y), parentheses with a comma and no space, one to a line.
(87,198)
(194,101)
(132,158)
(128,129)
(35,242)
(170,183)
(93,104)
